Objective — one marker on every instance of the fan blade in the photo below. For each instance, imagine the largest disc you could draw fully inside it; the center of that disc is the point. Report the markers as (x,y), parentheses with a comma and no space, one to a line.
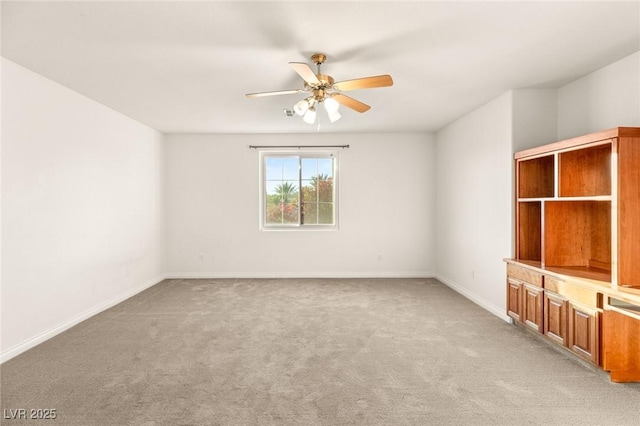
(305,72)
(351,103)
(279,92)
(365,83)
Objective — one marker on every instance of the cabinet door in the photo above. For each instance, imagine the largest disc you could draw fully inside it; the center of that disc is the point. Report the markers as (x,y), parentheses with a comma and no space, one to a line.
(583,332)
(555,318)
(532,307)
(621,346)
(514,299)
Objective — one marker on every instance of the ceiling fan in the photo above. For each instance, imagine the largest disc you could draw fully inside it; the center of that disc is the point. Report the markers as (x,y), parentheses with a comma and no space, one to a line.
(323,89)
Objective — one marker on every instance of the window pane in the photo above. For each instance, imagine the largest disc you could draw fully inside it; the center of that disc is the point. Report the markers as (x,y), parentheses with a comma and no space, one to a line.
(270,187)
(325,167)
(281,202)
(274,168)
(310,211)
(290,213)
(281,213)
(325,213)
(309,168)
(309,193)
(283,191)
(325,189)
(273,214)
(290,168)
(282,168)
(317,179)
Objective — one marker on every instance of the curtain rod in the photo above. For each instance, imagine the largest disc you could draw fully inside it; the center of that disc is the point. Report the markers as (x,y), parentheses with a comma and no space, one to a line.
(297,146)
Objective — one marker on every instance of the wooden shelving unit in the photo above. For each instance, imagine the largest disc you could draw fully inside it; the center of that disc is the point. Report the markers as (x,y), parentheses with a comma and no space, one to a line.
(577,206)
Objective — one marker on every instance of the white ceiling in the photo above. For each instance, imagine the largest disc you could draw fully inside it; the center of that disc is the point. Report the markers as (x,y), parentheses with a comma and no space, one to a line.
(185,66)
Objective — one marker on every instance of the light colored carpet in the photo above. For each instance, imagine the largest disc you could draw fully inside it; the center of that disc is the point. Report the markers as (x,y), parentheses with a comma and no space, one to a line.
(308,352)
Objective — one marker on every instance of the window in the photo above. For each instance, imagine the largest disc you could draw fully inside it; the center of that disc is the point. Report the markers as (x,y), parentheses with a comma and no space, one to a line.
(298,190)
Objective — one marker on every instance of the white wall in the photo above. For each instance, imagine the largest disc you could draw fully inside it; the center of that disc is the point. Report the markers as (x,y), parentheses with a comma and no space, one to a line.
(534,117)
(387,194)
(473,203)
(82,209)
(609,97)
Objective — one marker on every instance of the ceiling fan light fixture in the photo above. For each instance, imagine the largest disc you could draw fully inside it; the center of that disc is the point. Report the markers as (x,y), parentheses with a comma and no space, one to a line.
(301,107)
(322,88)
(331,105)
(310,116)
(334,116)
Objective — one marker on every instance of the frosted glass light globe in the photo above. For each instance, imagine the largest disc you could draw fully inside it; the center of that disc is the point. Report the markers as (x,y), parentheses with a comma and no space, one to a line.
(310,116)
(301,107)
(331,105)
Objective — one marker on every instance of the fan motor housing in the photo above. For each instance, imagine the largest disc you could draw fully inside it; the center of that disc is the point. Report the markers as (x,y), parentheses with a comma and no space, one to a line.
(326,80)
(318,58)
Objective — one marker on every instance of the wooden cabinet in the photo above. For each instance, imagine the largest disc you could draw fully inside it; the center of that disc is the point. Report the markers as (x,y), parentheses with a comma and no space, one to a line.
(577,216)
(514,298)
(555,318)
(532,306)
(583,331)
(621,341)
(524,296)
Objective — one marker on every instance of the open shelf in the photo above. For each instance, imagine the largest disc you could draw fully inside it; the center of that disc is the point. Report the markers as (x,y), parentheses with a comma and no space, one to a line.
(536,177)
(578,234)
(585,172)
(530,231)
(584,272)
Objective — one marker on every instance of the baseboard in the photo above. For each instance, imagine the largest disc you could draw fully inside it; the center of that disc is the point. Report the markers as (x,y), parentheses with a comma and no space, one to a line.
(48,334)
(258,275)
(495,310)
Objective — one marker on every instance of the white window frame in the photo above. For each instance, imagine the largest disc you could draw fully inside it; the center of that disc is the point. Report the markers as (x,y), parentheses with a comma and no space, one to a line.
(262,190)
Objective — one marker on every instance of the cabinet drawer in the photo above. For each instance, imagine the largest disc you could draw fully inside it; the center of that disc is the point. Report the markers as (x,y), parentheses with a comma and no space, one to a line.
(573,292)
(552,284)
(525,275)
